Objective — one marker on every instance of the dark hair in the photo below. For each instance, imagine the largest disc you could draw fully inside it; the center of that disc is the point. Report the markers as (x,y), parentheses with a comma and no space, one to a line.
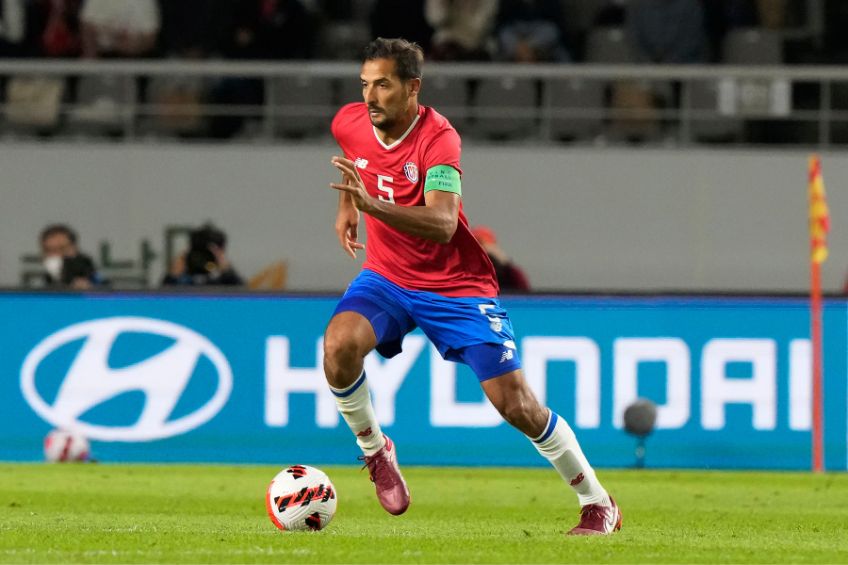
(206,235)
(200,260)
(408,56)
(56,229)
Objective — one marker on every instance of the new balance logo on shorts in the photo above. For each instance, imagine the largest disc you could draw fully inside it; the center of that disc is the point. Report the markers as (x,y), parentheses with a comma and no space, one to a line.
(506,355)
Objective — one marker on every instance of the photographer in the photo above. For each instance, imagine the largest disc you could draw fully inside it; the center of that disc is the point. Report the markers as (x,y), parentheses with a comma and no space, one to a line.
(64,265)
(205,263)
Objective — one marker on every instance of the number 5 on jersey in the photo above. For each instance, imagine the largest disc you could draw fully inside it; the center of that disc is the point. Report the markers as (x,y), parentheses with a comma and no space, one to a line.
(383,186)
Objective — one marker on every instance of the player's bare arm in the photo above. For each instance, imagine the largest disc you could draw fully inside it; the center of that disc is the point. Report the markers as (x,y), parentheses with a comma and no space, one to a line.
(347,224)
(436,220)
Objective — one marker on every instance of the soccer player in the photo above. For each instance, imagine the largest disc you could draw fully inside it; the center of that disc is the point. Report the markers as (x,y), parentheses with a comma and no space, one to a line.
(424,268)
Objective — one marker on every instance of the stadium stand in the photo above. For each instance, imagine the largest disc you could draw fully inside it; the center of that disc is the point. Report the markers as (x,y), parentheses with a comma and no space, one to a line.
(601,98)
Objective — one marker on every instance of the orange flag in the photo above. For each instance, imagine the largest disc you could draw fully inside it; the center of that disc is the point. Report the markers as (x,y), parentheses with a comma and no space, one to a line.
(819,214)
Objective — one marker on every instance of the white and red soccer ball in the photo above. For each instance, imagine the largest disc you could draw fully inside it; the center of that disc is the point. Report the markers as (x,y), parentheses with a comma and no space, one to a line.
(301,498)
(62,446)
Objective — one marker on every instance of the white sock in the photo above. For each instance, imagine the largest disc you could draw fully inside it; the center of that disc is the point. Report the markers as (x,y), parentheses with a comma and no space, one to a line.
(354,404)
(558,444)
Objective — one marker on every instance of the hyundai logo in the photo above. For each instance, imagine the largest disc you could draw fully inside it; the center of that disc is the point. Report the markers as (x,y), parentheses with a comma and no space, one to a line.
(90,380)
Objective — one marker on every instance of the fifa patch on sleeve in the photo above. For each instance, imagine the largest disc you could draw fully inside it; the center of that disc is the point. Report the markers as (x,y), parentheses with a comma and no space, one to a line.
(444,178)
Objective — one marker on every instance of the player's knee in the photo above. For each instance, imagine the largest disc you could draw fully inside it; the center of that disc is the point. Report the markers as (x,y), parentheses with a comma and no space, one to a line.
(341,348)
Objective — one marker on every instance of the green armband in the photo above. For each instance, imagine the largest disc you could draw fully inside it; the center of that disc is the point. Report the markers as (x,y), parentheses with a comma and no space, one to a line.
(444,178)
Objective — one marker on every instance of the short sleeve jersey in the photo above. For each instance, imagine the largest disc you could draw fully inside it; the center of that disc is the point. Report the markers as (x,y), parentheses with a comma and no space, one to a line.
(396,173)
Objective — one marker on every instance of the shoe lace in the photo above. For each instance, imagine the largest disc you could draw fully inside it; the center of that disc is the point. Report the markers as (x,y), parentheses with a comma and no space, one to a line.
(375,464)
(590,513)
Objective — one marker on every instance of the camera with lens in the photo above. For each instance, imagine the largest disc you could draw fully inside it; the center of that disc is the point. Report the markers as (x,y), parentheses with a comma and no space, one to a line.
(200,260)
(77,267)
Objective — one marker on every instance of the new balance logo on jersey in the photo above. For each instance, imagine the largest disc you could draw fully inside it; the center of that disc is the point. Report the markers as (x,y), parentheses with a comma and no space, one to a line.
(360,163)
(507,355)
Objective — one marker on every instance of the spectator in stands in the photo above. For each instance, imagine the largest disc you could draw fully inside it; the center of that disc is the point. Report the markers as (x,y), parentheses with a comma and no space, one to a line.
(205,263)
(53,28)
(531,31)
(779,14)
(401,18)
(64,265)
(334,10)
(119,28)
(270,29)
(463,28)
(12,28)
(667,31)
(111,29)
(660,31)
(720,16)
(611,14)
(261,29)
(343,28)
(511,277)
(194,29)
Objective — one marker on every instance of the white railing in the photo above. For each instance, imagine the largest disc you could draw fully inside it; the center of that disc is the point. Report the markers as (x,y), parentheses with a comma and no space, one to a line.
(595,103)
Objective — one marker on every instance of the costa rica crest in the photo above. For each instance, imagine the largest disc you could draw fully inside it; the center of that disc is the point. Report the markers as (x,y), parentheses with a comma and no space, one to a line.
(411,171)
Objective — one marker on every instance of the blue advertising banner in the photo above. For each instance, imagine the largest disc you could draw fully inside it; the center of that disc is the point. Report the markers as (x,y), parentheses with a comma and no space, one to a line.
(238,379)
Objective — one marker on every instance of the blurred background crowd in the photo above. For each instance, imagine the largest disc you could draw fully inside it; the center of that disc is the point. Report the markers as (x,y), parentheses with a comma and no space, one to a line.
(528,72)
(186,103)
(664,31)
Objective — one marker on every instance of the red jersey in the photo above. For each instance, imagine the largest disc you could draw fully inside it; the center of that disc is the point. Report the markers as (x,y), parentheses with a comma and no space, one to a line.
(396,173)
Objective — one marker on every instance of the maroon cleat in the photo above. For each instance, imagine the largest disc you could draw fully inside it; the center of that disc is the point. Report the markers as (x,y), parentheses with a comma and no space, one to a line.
(385,474)
(597,520)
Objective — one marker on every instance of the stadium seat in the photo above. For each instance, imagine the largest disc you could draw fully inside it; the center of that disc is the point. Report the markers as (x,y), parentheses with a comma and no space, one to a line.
(32,104)
(609,45)
(743,46)
(709,125)
(504,108)
(101,102)
(307,102)
(583,100)
(752,46)
(175,104)
(343,40)
(582,13)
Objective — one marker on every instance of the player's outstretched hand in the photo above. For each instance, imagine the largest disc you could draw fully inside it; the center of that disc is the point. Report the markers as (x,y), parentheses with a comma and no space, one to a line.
(352,183)
(347,224)
(347,219)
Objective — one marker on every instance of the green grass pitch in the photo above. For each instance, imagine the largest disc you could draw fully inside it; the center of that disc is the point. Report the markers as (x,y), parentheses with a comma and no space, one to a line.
(106,513)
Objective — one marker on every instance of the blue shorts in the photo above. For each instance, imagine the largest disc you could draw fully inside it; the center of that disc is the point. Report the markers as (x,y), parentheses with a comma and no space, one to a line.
(474,331)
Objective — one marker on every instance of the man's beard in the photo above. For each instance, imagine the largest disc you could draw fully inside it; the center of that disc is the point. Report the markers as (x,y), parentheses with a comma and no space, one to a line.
(385,125)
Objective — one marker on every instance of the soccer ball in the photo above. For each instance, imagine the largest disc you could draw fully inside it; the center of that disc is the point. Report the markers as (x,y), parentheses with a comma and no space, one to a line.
(61,446)
(301,498)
